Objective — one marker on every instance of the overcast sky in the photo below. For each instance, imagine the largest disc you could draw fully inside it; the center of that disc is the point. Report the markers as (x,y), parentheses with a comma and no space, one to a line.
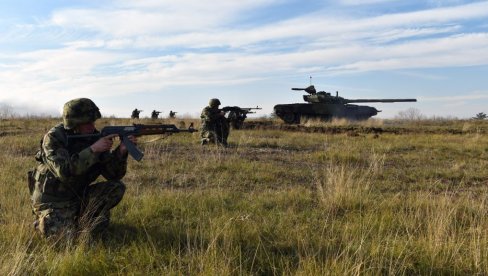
(176,55)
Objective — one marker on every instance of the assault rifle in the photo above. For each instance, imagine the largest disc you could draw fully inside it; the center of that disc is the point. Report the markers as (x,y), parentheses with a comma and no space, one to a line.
(134,130)
(245,110)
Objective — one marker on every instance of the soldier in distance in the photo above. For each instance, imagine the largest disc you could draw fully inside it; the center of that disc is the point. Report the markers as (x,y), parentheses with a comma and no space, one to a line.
(214,127)
(135,113)
(155,114)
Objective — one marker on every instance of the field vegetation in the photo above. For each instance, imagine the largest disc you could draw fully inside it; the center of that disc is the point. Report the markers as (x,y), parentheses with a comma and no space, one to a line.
(337,198)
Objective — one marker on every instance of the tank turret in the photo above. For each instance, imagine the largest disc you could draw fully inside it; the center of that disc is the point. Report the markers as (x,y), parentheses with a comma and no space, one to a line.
(326,106)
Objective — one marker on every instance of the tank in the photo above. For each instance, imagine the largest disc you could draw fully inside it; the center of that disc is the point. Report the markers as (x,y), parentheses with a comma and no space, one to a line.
(325,106)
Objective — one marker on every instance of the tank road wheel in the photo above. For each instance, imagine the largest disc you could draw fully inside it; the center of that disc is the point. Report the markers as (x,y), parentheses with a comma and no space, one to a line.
(297,118)
(289,118)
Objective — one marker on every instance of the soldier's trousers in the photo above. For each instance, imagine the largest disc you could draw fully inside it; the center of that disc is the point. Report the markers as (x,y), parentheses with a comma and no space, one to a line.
(91,213)
(218,134)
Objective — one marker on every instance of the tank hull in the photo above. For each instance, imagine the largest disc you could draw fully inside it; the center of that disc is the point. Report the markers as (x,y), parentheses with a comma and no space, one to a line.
(292,113)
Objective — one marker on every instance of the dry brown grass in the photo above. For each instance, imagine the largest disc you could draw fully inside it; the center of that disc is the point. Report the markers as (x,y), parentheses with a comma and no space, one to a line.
(275,202)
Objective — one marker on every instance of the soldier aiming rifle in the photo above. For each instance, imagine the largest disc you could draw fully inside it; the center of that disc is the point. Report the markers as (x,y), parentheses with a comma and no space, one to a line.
(155,114)
(214,127)
(135,114)
(172,114)
(236,115)
(65,188)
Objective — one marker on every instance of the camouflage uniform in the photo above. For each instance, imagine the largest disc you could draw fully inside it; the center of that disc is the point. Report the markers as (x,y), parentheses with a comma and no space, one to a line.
(135,113)
(64,200)
(154,114)
(214,127)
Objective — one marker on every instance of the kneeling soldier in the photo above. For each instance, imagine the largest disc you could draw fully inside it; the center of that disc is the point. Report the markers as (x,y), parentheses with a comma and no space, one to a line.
(214,127)
(64,198)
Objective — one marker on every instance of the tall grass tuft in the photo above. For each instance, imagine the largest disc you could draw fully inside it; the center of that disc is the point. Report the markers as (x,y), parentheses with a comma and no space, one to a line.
(342,187)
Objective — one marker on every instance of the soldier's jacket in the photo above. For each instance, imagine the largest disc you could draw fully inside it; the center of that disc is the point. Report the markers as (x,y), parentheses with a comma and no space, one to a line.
(211,118)
(65,170)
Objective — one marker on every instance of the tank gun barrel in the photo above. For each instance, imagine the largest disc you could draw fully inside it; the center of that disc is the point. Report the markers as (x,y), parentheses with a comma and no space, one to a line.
(310,90)
(379,100)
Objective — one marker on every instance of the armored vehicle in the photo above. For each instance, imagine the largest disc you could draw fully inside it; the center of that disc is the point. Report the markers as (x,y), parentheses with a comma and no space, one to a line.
(325,106)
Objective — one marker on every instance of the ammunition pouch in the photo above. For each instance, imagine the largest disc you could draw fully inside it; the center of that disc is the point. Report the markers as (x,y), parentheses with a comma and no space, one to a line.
(33,175)
(48,184)
(38,156)
(31,181)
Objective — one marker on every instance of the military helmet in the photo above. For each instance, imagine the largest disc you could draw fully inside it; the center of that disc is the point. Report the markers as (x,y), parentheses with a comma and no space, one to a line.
(79,111)
(214,102)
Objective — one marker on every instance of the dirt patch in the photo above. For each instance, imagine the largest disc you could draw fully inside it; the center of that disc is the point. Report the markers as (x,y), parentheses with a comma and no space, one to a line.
(352,129)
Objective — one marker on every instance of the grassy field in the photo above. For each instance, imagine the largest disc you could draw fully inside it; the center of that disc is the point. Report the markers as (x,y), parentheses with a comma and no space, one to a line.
(380,197)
